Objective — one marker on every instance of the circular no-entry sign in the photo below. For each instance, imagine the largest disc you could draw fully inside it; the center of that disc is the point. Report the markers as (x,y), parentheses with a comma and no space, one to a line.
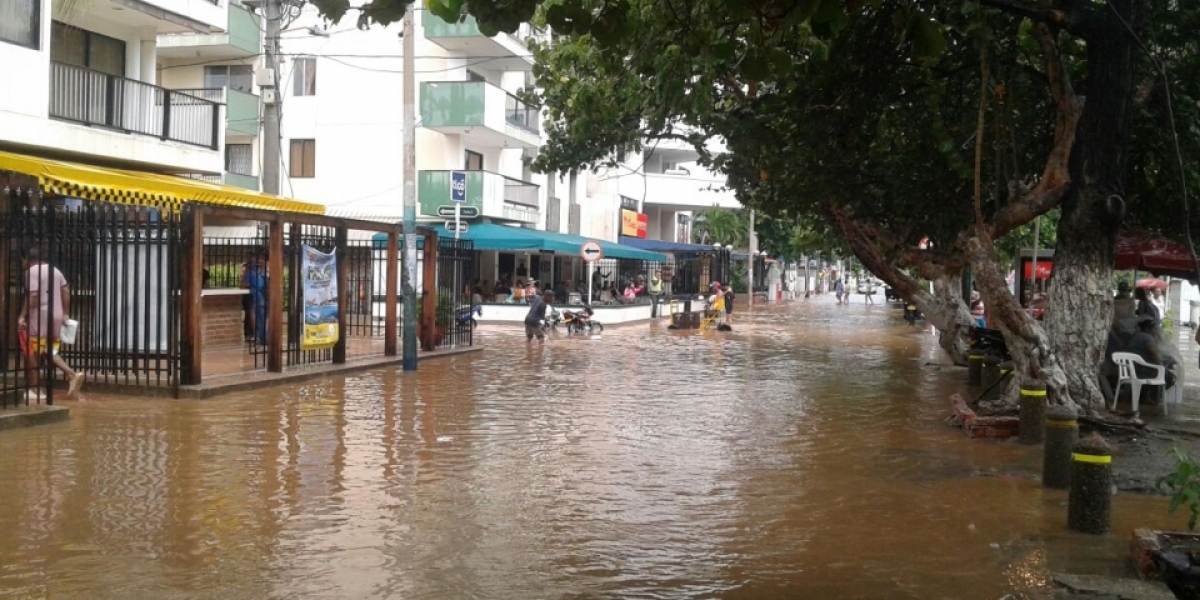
(591,251)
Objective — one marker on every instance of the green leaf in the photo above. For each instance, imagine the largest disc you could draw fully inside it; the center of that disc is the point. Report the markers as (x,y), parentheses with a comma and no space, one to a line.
(928,41)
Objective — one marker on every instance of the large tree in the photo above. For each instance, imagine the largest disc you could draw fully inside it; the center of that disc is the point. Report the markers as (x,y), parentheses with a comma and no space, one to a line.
(858,113)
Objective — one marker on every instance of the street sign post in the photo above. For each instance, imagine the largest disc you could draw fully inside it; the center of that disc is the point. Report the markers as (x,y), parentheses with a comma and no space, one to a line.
(464,212)
(458,195)
(591,252)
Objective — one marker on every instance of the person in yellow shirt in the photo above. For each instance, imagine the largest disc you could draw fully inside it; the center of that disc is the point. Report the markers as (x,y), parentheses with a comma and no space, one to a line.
(716,302)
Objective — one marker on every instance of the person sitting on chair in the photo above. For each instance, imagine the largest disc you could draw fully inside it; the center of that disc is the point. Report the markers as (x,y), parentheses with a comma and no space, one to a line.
(1145,344)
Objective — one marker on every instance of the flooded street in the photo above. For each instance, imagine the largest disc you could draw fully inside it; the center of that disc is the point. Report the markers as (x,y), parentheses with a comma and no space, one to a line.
(803,455)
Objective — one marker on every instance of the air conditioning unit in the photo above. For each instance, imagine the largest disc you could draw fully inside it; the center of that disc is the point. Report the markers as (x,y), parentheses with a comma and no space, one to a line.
(264,77)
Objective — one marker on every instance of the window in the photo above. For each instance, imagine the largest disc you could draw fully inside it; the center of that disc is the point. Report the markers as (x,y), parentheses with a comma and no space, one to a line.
(21,22)
(474,161)
(234,77)
(239,158)
(304,77)
(84,48)
(304,158)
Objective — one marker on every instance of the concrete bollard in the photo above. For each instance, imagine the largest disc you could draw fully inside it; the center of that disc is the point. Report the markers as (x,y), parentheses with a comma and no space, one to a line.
(1089,505)
(974,366)
(991,372)
(1033,412)
(1061,434)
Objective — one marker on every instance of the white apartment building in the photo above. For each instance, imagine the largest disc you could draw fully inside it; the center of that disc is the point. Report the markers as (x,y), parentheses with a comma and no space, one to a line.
(83,84)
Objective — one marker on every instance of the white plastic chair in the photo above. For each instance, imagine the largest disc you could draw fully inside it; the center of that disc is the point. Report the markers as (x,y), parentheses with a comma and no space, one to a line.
(1128,374)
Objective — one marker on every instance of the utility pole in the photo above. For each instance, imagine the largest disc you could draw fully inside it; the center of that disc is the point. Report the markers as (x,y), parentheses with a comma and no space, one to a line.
(272,12)
(410,198)
(752,257)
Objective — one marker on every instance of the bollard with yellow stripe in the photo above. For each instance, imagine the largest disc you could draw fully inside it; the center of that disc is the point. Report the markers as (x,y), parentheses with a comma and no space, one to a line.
(1061,435)
(1089,505)
(975,367)
(1033,412)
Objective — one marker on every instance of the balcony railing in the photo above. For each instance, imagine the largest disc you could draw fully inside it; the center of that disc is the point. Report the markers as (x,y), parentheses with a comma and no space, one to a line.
(520,114)
(94,98)
(520,192)
(242,114)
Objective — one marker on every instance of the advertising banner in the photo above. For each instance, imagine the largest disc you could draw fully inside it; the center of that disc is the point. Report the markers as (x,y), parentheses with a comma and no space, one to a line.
(319,281)
(633,224)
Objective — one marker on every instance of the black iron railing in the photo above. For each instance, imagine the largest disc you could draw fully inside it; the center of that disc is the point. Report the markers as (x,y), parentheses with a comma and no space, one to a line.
(455,272)
(94,98)
(122,266)
(518,113)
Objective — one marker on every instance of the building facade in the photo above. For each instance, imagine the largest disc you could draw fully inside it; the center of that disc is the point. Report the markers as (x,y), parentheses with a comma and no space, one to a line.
(89,90)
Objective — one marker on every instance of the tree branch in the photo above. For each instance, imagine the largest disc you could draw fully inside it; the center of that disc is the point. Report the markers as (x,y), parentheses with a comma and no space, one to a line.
(1055,180)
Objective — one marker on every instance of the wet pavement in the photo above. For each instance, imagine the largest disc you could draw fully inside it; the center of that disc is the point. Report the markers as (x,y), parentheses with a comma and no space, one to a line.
(802,455)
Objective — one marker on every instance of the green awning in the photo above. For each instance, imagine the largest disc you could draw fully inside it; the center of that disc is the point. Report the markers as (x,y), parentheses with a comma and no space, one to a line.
(490,236)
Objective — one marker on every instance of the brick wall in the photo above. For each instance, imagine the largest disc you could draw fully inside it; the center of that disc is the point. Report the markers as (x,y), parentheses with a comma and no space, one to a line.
(221,318)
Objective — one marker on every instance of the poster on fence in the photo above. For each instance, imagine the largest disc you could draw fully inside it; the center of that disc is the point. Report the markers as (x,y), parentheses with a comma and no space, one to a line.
(320,299)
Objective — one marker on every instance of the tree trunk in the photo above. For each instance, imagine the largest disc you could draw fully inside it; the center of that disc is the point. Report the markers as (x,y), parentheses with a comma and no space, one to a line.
(1080,304)
(944,309)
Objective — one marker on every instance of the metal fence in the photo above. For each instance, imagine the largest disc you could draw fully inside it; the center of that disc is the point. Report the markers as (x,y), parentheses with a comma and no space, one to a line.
(122,268)
(455,270)
(95,98)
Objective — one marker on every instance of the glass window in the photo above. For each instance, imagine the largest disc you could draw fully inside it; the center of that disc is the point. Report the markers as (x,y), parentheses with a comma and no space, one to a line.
(474,161)
(234,77)
(239,158)
(84,48)
(20,22)
(304,77)
(304,158)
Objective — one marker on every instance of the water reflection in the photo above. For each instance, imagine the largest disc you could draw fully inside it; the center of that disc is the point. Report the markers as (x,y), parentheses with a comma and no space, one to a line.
(802,454)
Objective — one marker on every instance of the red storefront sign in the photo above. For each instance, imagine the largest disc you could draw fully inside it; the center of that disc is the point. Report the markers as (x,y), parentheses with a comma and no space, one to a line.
(1044,267)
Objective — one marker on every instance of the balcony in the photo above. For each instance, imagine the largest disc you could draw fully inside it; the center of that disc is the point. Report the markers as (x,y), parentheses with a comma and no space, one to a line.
(496,196)
(464,37)
(242,39)
(241,109)
(248,182)
(491,116)
(99,99)
(685,191)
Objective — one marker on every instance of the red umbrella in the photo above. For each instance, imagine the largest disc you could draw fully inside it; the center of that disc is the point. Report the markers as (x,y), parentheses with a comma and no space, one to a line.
(1152,283)
(1144,251)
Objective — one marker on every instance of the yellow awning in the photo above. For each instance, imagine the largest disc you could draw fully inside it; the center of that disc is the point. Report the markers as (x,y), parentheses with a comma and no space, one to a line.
(145,189)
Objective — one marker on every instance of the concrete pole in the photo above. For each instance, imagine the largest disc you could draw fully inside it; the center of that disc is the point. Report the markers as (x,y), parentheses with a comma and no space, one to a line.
(753,254)
(271,97)
(409,117)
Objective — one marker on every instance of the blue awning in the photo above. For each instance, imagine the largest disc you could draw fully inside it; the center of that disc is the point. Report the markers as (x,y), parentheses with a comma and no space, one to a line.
(663,245)
(490,236)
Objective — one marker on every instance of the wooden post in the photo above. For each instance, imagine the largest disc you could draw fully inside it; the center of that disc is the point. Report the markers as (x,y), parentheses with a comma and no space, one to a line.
(191,332)
(275,297)
(342,247)
(390,331)
(429,297)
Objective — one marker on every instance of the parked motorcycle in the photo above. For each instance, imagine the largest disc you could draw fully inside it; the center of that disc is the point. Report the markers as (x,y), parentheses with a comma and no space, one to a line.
(912,314)
(468,317)
(553,318)
(579,321)
(989,341)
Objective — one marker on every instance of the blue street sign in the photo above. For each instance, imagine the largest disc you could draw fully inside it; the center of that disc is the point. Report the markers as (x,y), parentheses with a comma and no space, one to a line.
(458,186)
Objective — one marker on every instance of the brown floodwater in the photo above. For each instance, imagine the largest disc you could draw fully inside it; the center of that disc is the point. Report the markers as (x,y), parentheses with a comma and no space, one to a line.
(803,455)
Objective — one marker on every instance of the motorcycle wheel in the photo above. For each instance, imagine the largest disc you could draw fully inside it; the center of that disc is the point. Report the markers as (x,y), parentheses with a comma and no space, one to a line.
(596,327)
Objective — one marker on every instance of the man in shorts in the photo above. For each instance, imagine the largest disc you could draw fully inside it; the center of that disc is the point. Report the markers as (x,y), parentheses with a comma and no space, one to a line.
(535,317)
(46,306)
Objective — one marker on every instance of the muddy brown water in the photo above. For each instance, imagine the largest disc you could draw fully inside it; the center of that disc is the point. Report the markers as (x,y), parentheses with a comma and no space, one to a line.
(803,455)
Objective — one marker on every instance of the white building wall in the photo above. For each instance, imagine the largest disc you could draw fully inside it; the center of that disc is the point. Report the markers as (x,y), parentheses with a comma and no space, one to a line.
(25,116)
(356,115)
